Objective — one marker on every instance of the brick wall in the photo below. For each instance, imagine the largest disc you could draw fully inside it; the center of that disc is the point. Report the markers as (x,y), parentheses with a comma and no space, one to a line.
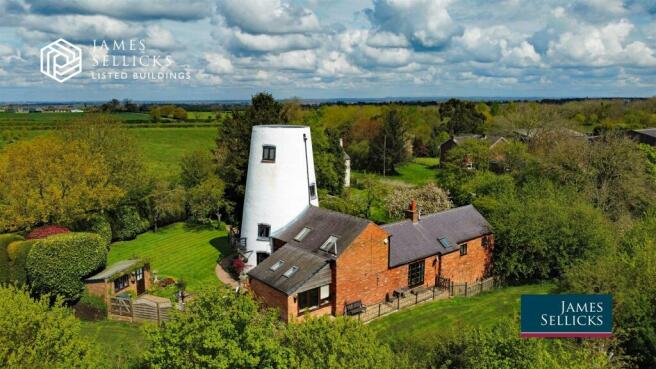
(272,298)
(467,268)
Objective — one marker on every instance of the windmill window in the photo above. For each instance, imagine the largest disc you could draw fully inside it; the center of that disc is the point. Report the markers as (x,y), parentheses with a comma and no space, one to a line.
(269,154)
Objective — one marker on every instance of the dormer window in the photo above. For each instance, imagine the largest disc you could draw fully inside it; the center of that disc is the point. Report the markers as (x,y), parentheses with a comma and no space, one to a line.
(302,234)
(268,154)
(330,245)
(313,191)
(263,231)
(291,271)
(277,265)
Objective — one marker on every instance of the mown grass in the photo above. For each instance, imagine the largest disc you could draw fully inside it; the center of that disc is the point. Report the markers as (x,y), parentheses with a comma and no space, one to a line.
(417,172)
(448,317)
(179,251)
(116,341)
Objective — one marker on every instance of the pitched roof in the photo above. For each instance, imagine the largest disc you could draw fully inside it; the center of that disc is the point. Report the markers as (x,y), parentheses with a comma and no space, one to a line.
(647,131)
(322,223)
(410,241)
(308,265)
(118,267)
(305,252)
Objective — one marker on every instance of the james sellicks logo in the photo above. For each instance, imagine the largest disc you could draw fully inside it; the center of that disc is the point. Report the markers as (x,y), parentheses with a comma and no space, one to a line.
(61,60)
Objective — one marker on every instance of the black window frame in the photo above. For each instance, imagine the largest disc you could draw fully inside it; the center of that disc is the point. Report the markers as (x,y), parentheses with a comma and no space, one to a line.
(259,232)
(486,241)
(268,153)
(121,283)
(416,271)
(463,249)
(311,299)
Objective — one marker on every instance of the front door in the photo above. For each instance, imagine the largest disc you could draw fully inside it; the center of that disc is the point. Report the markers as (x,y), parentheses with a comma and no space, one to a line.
(141,282)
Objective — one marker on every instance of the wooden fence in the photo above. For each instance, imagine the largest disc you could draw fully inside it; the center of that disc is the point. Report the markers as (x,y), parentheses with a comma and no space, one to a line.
(442,290)
(144,308)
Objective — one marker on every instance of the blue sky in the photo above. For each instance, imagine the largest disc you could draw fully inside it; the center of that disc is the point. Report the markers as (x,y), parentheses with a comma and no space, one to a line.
(231,49)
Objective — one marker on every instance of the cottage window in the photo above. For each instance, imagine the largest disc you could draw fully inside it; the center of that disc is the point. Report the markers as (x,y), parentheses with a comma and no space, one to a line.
(277,265)
(486,241)
(302,234)
(313,191)
(416,273)
(263,231)
(463,249)
(268,154)
(121,282)
(330,245)
(313,298)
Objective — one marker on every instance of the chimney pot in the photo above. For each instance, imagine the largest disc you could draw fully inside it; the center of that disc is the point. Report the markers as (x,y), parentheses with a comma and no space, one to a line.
(413,213)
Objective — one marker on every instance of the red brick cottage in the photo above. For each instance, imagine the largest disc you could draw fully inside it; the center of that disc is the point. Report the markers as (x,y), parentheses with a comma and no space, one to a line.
(325,260)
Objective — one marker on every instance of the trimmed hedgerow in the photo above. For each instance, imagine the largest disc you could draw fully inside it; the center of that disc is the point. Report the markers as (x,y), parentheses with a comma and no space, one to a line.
(58,264)
(17,252)
(127,223)
(46,231)
(5,240)
(97,224)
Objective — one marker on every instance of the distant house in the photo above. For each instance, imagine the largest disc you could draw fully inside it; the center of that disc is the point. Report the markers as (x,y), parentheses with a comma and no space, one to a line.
(132,276)
(645,136)
(458,140)
(347,166)
(325,262)
(526,135)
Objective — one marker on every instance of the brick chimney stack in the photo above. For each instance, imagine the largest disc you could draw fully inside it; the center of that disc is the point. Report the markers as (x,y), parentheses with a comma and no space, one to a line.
(413,213)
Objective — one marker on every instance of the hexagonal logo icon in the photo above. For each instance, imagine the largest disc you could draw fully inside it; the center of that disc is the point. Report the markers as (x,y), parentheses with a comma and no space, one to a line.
(61,60)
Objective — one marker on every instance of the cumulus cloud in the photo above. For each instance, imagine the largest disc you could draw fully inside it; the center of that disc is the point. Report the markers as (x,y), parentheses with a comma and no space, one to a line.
(125,9)
(427,24)
(267,16)
(79,28)
(218,64)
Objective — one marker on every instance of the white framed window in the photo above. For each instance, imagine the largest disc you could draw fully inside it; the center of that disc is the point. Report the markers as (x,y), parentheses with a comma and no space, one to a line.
(263,231)
(330,245)
(269,154)
(302,234)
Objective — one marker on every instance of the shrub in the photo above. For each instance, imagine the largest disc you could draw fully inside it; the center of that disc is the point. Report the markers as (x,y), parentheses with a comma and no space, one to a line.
(46,231)
(58,264)
(97,224)
(5,240)
(127,223)
(17,252)
(91,308)
(35,335)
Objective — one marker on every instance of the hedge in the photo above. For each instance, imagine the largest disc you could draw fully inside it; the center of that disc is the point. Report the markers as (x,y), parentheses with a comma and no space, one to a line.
(127,223)
(17,252)
(97,224)
(58,264)
(46,231)
(5,240)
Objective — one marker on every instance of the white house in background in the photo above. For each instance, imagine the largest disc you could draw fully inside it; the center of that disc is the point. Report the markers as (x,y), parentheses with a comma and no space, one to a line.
(347,165)
(280,185)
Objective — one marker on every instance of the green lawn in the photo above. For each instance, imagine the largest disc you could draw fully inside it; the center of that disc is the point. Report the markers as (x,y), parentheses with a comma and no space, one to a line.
(179,250)
(417,172)
(450,315)
(163,147)
(116,340)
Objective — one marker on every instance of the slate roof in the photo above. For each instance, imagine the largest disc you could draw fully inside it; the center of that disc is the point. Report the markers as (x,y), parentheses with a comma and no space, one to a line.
(323,224)
(306,254)
(118,267)
(647,131)
(308,264)
(410,241)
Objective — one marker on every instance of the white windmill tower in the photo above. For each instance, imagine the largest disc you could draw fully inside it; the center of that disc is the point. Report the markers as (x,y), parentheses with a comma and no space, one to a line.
(280,184)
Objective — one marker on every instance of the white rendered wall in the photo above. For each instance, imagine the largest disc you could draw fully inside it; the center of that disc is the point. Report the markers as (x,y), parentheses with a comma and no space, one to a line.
(276,193)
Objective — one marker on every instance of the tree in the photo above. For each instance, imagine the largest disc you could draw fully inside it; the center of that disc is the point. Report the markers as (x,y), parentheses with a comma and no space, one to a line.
(373,194)
(328,159)
(196,167)
(233,146)
(35,335)
(51,181)
(166,203)
(218,329)
(342,343)
(462,117)
(179,113)
(390,147)
(430,199)
(57,265)
(206,200)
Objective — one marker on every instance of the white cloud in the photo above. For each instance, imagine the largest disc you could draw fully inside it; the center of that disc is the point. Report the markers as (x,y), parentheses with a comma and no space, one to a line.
(425,23)
(160,38)
(125,9)
(80,27)
(218,64)
(267,16)
(298,60)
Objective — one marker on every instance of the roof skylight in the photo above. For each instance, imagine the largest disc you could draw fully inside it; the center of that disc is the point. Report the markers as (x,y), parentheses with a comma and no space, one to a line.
(330,245)
(277,265)
(291,271)
(302,234)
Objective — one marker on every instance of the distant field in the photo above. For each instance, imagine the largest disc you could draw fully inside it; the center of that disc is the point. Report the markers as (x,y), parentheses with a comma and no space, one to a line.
(179,251)
(446,317)
(201,115)
(163,147)
(50,120)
